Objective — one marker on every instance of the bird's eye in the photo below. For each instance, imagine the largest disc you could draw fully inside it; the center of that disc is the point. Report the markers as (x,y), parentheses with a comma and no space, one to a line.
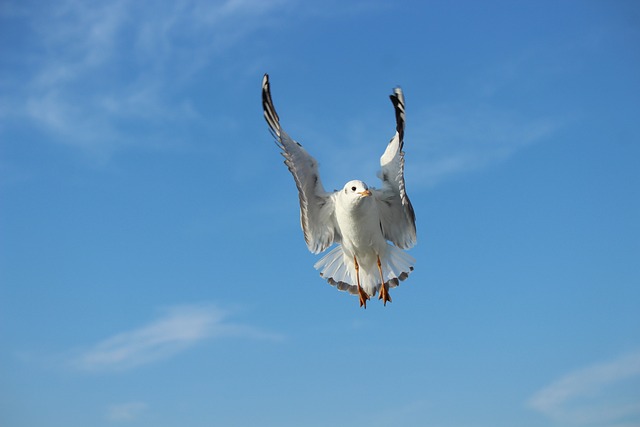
(353,188)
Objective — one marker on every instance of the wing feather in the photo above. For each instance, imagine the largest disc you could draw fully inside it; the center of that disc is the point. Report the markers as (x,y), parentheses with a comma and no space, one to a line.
(397,217)
(317,207)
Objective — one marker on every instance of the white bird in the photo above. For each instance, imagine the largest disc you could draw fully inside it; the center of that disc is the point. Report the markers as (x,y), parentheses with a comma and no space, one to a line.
(360,219)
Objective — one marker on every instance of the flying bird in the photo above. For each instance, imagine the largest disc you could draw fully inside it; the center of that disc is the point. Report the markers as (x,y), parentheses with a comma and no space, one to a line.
(361,220)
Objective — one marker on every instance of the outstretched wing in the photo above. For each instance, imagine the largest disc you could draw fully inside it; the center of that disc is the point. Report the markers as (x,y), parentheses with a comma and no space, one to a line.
(397,218)
(317,212)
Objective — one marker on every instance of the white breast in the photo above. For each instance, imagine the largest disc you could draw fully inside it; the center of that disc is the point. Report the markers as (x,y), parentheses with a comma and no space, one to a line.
(360,228)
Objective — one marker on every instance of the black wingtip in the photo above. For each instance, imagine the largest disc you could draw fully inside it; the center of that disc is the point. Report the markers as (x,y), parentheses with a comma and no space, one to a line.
(269,110)
(397,98)
(266,90)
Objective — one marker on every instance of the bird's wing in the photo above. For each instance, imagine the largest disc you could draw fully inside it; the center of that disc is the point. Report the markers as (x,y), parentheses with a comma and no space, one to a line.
(397,218)
(317,207)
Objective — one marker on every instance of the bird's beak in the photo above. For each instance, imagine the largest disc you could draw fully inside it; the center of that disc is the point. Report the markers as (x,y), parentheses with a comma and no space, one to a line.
(365,193)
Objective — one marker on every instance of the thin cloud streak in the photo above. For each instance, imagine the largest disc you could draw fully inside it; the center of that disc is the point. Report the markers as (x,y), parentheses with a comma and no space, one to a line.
(123,412)
(605,394)
(118,74)
(458,142)
(440,143)
(179,329)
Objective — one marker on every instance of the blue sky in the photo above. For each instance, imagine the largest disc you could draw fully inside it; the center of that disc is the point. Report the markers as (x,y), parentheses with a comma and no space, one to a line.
(152,267)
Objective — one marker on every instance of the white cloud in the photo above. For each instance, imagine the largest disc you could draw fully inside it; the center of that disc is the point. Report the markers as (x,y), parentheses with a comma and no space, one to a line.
(457,141)
(606,394)
(125,411)
(441,142)
(111,74)
(179,329)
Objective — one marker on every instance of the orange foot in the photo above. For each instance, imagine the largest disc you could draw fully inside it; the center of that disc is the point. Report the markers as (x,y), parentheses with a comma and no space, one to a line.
(363,297)
(384,289)
(384,294)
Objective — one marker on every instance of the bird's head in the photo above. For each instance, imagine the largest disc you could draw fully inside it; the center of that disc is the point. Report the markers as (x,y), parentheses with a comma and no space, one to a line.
(356,191)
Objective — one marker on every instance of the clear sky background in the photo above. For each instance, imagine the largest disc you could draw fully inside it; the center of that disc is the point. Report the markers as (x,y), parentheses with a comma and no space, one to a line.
(152,267)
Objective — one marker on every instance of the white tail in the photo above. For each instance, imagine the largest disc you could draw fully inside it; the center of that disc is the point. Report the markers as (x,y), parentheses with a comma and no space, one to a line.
(339,270)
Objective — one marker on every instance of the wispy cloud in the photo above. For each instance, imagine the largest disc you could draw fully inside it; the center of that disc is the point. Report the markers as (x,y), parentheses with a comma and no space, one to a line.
(454,141)
(441,142)
(177,330)
(123,412)
(109,74)
(605,394)
(410,411)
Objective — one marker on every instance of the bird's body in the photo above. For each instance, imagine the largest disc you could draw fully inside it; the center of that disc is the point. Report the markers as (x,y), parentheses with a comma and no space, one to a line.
(360,219)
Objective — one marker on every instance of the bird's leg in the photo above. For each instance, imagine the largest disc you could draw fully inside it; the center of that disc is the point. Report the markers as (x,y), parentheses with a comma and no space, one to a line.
(384,291)
(363,296)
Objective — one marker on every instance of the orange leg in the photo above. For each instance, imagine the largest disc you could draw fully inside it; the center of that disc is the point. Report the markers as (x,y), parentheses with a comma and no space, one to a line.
(384,291)
(363,296)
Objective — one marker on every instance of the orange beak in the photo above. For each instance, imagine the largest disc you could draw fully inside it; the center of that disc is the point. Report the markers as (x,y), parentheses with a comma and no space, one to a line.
(365,193)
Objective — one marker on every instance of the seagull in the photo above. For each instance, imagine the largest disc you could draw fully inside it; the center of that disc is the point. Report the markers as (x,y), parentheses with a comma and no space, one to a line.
(361,220)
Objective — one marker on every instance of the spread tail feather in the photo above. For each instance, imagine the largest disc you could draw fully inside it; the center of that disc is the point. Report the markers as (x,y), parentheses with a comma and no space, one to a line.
(339,270)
